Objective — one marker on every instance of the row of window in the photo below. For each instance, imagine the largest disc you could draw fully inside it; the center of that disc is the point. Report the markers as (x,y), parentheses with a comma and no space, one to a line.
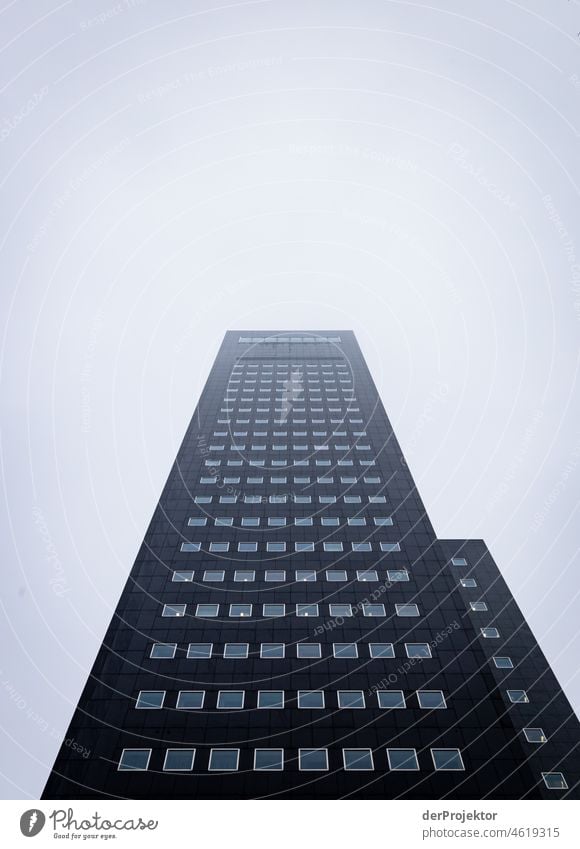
(283,499)
(303,699)
(269,651)
(249,575)
(286,462)
(285,419)
(208,611)
(254,340)
(249,547)
(350,479)
(282,521)
(285,433)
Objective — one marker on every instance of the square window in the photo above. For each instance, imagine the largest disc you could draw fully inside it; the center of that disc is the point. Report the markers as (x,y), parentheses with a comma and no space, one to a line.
(447,760)
(230,699)
(420,650)
(173,610)
(182,576)
(503,662)
(336,575)
(310,760)
(468,582)
(390,699)
(269,760)
(431,699)
(247,546)
(178,760)
(518,696)
(273,609)
(402,760)
(207,611)
(351,699)
(223,760)
(305,575)
(311,699)
(243,575)
(490,633)
(381,650)
(554,781)
(199,650)
(477,606)
(345,649)
(535,735)
(271,699)
(276,546)
(163,651)
(134,760)
(308,650)
(306,610)
(340,610)
(358,759)
(190,699)
(407,610)
(234,651)
(240,610)
(150,699)
(274,575)
(270,651)
(213,575)
(373,609)
(367,575)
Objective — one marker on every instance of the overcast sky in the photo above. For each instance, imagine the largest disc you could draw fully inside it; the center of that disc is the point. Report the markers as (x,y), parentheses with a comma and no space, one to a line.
(172,170)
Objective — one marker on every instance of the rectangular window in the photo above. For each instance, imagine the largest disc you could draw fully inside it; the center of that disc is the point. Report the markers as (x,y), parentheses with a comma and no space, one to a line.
(402,760)
(134,760)
(230,699)
(367,575)
(219,546)
(390,546)
(250,521)
(418,650)
(345,649)
(340,610)
(150,700)
(272,651)
(373,609)
(336,575)
(197,651)
(358,760)
(273,610)
(276,547)
(458,561)
(213,575)
(244,575)
(431,699)
(240,610)
(274,575)
(163,651)
(190,699)
(468,582)
(407,610)
(361,546)
(247,547)
(173,610)
(308,650)
(197,522)
(477,606)
(381,650)
(269,760)
(447,760)
(518,696)
(535,735)
(270,699)
(207,611)
(391,699)
(234,651)
(181,577)
(351,699)
(304,546)
(305,575)
(306,610)
(223,760)
(310,699)
(489,633)
(178,760)
(503,662)
(397,575)
(313,760)
(190,546)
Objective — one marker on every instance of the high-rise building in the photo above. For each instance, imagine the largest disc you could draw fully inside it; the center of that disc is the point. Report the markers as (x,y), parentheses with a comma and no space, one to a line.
(292,627)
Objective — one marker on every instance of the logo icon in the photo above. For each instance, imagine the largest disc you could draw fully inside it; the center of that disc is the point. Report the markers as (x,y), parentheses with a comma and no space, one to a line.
(32,822)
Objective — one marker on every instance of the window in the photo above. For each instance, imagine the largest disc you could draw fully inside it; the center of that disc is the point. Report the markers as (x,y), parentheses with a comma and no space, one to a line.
(458,561)
(273,609)
(306,610)
(357,759)
(407,610)
(219,546)
(277,521)
(361,546)
(351,699)
(397,575)
(196,522)
(304,546)
(190,699)
(178,759)
(389,699)
(173,610)
(202,499)
(223,760)
(554,781)
(150,699)
(490,633)
(250,522)
(381,650)
(303,520)
(308,650)
(213,575)
(163,651)
(305,575)
(274,575)
(431,699)
(377,499)
(352,499)
(269,760)
(206,611)
(196,651)
(270,651)
(247,546)
(311,699)
(271,699)
(367,575)
(517,696)
(345,649)
(336,575)
(383,521)
(535,735)
(182,576)
(447,760)
(332,546)
(373,609)
(418,650)
(390,546)
(340,609)
(236,650)
(333,521)
(190,546)
(310,760)
(276,546)
(503,662)
(354,521)
(468,582)
(240,610)
(244,575)
(230,699)
(134,760)
(402,760)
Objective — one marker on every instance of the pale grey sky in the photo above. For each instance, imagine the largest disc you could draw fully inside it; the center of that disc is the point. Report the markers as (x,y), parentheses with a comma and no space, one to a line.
(173,170)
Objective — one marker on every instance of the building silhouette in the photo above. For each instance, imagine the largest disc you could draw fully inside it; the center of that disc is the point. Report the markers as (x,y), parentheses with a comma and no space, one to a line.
(293,628)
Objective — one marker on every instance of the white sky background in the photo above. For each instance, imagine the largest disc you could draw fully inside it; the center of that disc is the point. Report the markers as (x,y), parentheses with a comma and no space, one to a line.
(170,171)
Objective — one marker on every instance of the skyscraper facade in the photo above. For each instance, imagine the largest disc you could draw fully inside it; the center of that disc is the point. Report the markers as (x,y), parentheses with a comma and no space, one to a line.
(293,628)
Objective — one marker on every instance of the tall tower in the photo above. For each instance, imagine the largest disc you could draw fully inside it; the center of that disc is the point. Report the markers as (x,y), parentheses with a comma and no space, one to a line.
(292,627)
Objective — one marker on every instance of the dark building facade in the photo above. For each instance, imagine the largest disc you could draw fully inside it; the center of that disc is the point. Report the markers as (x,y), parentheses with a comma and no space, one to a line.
(292,627)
